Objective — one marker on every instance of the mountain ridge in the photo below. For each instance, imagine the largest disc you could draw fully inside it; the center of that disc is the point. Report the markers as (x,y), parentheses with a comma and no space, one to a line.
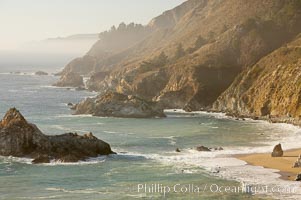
(192,54)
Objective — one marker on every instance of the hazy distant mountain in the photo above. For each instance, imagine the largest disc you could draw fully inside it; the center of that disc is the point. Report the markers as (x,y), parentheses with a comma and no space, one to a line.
(51,53)
(92,36)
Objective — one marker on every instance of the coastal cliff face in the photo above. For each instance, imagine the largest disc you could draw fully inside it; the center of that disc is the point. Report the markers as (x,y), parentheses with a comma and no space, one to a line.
(271,88)
(193,53)
(21,139)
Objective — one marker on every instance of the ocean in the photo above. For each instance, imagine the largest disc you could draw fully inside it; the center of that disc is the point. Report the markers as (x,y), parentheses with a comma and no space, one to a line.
(146,165)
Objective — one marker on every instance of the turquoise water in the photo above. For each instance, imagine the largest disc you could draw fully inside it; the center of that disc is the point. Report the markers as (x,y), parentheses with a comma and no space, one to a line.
(145,147)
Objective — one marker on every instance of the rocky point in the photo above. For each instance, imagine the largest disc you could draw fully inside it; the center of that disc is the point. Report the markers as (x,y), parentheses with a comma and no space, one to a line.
(19,138)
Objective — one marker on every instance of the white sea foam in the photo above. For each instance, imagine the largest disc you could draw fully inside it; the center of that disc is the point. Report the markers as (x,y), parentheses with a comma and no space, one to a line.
(82,191)
(60,127)
(224,165)
(4,73)
(90,161)
(74,116)
(110,132)
(172,139)
(11,159)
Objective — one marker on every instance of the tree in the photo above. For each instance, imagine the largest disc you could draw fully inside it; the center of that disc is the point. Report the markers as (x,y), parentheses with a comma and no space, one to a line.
(122,26)
(180,51)
(113,28)
(200,41)
(211,36)
(156,62)
(161,60)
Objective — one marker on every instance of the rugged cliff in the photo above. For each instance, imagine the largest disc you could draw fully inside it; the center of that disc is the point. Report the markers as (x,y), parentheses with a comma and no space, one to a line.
(193,52)
(270,89)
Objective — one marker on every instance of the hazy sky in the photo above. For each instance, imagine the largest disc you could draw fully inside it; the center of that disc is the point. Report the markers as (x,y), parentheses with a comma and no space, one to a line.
(29,20)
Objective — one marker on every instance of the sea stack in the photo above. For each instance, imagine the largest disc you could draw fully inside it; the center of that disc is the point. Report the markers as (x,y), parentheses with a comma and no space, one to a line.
(277,151)
(22,139)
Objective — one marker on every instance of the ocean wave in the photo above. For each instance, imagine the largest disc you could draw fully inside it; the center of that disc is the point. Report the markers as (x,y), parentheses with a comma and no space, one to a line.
(90,161)
(223,165)
(73,116)
(41,197)
(5,73)
(11,159)
(172,139)
(13,91)
(60,127)
(81,191)
(113,132)
(48,86)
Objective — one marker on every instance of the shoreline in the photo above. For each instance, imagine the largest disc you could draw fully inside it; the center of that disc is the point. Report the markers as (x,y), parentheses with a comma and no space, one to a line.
(283,164)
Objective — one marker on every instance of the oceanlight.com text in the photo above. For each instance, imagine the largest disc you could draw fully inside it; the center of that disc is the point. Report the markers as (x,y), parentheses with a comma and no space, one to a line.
(157,188)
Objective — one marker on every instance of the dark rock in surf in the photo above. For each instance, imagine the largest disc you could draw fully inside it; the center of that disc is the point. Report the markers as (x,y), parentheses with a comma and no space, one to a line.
(41,159)
(21,139)
(277,151)
(41,73)
(202,148)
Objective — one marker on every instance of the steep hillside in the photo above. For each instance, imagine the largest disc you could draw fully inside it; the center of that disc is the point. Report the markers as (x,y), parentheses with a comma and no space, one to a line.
(195,51)
(110,42)
(271,88)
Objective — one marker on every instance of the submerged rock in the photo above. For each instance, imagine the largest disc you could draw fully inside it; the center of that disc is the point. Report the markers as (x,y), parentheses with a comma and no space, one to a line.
(112,104)
(41,73)
(21,139)
(41,159)
(277,151)
(202,148)
(70,79)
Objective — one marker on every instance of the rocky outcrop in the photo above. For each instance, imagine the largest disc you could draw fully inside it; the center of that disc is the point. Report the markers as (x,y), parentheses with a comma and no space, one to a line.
(277,151)
(41,73)
(112,104)
(70,79)
(270,89)
(21,139)
(95,81)
(82,66)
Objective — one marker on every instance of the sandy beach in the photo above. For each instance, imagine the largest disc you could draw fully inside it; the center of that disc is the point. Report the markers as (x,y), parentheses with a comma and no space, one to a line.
(283,164)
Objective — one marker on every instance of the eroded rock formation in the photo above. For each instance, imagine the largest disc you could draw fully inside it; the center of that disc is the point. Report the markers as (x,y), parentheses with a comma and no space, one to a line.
(22,139)
(70,79)
(112,104)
